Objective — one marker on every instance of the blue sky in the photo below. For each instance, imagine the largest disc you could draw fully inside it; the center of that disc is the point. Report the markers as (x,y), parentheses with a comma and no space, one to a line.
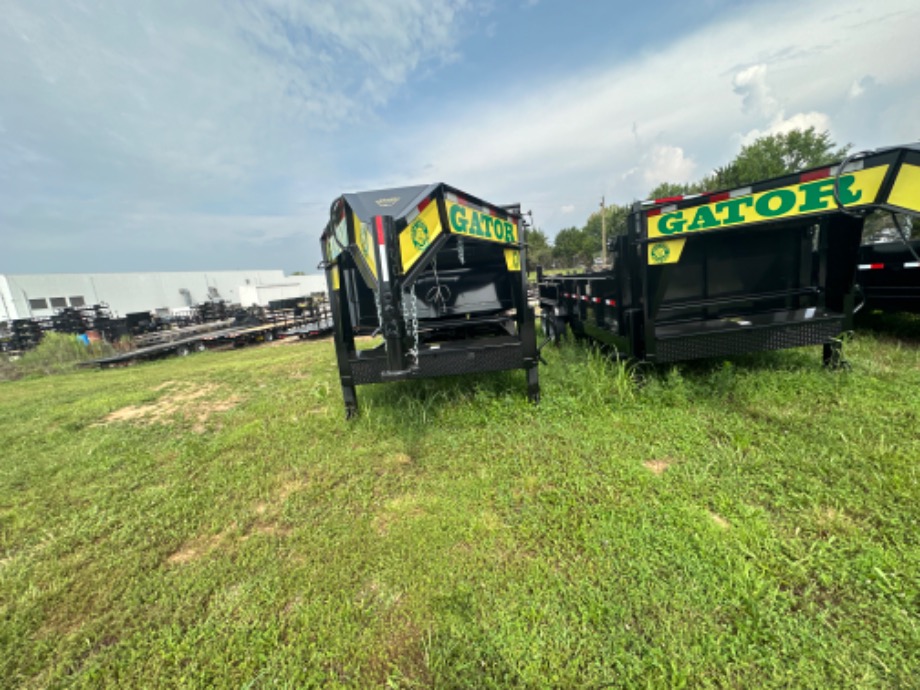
(167,135)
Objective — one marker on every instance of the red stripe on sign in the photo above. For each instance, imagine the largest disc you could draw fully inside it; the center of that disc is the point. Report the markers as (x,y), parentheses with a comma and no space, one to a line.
(719,197)
(669,199)
(378,222)
(815,175)
(654,212)
(422,206)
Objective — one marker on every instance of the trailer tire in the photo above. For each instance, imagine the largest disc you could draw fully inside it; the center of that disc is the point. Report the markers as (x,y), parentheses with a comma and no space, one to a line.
(200,347)
(268,337)
(182,351)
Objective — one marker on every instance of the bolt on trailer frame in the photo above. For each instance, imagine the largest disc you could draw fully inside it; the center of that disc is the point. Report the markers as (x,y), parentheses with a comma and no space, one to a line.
(438,273)
(764,267)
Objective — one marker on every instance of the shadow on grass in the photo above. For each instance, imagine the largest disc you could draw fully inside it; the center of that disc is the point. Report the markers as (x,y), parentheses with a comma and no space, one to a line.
(899,325)
(415,407)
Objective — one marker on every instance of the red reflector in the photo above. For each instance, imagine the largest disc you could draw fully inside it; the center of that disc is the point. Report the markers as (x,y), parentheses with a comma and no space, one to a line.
(815,175)
(378,221)
(719,197)
(875,267)
(669,199)
(654,212)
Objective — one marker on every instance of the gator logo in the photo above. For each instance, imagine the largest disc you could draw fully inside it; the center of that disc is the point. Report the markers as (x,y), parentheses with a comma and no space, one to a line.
(419,235)
(365,244)
(660,253)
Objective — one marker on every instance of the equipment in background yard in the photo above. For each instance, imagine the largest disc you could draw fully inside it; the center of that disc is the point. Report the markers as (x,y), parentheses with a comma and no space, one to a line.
(889,276)
(436,272)
(764,267)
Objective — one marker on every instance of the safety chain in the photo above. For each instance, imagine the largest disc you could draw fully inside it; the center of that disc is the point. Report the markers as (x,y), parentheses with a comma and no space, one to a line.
(379,310)
(410,308)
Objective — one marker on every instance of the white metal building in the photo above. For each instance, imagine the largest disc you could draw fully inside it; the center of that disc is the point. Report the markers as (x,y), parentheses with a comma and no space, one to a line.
(26,295)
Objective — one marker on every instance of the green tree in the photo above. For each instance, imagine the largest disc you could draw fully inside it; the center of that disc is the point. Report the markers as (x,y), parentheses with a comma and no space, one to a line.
(615,218)
(669,189)
(769,156)
(571,247)
(539,250)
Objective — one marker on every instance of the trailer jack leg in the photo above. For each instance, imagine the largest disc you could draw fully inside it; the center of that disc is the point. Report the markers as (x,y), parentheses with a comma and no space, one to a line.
(351,401)
(533,384)
(833,355)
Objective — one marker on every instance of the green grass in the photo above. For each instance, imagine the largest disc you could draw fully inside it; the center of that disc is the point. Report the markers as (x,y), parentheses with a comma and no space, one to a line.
(752,523)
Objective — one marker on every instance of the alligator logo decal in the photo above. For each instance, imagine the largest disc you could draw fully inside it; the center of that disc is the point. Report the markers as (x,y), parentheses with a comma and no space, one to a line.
(660,253)
(420,235)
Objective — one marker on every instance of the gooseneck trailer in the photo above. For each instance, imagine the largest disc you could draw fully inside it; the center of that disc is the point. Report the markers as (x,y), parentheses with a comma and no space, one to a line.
(764,267)
(438,274)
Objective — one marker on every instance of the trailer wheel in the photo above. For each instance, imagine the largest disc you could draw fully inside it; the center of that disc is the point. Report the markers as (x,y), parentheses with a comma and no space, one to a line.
(268,337)
(199,347)
(182,351)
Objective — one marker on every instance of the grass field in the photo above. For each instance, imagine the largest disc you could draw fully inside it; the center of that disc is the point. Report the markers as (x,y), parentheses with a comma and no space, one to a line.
(212,521)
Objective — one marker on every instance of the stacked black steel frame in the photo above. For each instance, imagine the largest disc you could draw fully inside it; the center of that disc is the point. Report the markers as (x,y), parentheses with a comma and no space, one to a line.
(437,273)
(766,267)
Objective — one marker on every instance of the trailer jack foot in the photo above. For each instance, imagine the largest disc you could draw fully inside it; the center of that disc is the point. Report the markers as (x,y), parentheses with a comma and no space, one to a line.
(351,402)
(833,356)
(533,385)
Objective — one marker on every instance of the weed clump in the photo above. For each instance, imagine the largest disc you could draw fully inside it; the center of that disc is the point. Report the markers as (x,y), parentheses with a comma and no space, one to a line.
(57,353)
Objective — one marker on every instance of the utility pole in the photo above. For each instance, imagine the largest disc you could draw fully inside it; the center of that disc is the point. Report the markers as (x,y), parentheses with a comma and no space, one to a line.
(603,232)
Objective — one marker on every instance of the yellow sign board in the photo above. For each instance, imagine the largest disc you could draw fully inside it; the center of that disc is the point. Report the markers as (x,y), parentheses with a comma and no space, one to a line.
(513,259)
(365,244)
(854,189)
(419,235)
(480,225)
(906,190)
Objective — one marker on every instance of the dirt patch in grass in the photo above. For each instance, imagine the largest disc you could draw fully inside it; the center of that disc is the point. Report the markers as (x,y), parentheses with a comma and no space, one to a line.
(227,539)
(193,402)
(658,467)
(719,520)
(200,546)
(833,522)
(399,509)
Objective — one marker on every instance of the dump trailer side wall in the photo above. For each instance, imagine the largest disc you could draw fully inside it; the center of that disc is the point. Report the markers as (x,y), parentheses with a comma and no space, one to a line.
(763,267)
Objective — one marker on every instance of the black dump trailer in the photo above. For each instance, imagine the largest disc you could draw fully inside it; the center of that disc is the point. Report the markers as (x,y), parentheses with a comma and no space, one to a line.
(764,267)
(889,276)
(436,272)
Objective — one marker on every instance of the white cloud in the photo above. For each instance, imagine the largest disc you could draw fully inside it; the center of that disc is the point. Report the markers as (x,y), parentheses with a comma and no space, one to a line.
(783,125)
(184,114)
(561,137)
(146,124)
(667,164)
(751,85)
